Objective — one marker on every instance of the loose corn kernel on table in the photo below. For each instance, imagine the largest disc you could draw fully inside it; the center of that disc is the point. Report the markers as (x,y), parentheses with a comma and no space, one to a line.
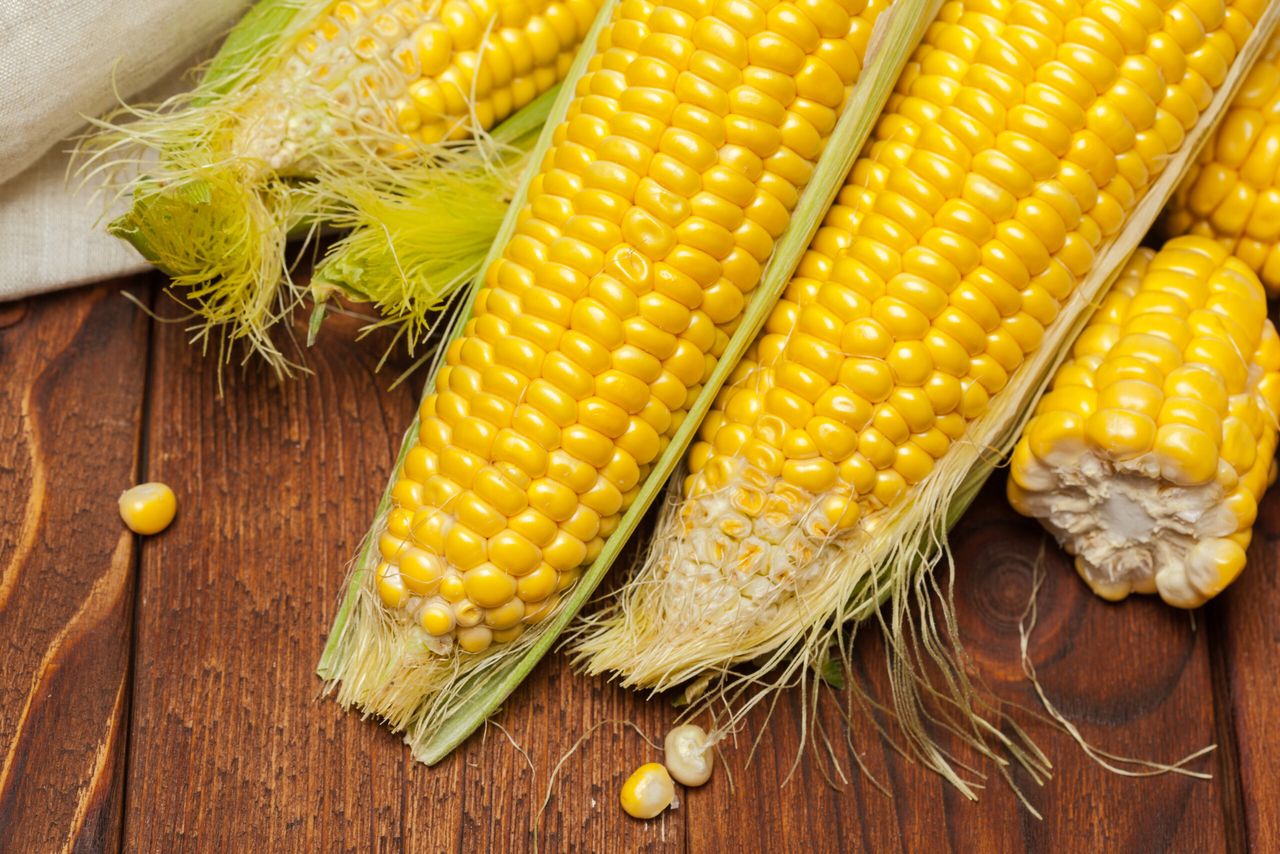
(159,695)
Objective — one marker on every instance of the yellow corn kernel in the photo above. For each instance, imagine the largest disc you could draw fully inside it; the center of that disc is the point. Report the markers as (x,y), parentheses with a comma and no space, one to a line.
(391,589)
(505,616)
(537,585)
(420,571)
(148,508)
(437,619)
(1120,434)
(647,792)
(475,639)
(488,586)
(452,588)
(539,611)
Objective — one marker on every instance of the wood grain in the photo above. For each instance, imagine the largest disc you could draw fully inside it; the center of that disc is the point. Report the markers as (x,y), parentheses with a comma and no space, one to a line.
(231,747)
(71,397)
(1244,623)
(1134,678)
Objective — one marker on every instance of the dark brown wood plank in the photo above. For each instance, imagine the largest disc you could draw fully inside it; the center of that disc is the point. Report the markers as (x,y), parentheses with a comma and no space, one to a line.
(71,399)
(1244,623)
(547,717)
(1134,678)
(232,748)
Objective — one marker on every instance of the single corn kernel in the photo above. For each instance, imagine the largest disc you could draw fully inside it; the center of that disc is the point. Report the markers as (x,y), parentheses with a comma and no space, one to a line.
(148,508)
(391,585)
(648,791)
(437,618)
(475,638)
(688,755)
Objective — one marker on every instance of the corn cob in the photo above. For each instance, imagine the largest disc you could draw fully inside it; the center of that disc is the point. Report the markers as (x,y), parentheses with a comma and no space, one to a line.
(1233,193)
(675,170)
(345,92)
(421,68)
(1149,455)
(1021,137)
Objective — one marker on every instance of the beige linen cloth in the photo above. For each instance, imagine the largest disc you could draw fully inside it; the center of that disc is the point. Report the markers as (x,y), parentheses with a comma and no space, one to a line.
(61,60)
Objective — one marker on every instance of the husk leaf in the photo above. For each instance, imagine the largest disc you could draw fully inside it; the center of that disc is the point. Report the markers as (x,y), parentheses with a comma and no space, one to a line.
(418,236)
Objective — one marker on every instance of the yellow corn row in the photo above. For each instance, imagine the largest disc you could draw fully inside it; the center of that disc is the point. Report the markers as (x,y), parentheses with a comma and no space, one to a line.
(1019,140)
(678,164)
(1148,456)
(1233,193)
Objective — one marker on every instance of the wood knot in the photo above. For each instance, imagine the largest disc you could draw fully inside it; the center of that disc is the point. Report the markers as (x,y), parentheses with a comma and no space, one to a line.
(994,587)
(1001,598)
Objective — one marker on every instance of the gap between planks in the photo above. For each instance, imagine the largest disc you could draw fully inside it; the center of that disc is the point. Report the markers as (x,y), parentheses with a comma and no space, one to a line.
(149,282)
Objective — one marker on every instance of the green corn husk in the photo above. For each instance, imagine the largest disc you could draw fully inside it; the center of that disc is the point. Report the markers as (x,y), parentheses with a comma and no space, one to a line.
(416,237)
(218,219)
(885,576)
(438,707)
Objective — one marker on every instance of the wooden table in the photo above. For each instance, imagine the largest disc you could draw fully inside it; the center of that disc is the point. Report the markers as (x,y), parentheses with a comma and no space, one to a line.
(160,695)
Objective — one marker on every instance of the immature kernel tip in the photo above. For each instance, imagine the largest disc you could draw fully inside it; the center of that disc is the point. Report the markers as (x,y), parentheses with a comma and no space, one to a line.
(688,755)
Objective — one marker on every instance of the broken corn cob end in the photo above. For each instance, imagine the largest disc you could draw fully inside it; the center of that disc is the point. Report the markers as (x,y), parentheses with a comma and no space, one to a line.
(1149,454)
